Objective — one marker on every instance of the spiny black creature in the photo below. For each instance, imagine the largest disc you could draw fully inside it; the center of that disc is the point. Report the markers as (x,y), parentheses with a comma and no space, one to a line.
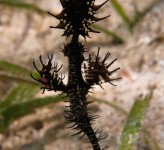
(76,19)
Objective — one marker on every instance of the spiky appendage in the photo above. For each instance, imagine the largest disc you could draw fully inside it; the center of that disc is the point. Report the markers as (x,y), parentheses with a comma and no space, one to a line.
(48,76)
(97,69)
(77,17)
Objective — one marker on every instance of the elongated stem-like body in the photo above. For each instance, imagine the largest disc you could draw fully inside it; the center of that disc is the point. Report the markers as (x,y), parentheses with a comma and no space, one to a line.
(75,19)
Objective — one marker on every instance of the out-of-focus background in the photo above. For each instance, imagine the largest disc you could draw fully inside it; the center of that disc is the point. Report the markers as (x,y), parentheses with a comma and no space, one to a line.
(30,120)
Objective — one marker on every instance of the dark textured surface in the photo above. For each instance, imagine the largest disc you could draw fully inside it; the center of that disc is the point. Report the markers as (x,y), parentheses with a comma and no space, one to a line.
(75,19)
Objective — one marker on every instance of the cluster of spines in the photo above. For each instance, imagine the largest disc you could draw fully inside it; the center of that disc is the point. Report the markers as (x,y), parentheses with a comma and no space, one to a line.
(48,75)
(77,17)
(98,70)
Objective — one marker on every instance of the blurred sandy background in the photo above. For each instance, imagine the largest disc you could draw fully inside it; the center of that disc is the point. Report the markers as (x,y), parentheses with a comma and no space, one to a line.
(24,35)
